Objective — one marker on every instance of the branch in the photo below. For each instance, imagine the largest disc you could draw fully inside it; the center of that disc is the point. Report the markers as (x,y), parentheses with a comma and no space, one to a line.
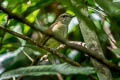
(90,52)
(103,72)
(54,52)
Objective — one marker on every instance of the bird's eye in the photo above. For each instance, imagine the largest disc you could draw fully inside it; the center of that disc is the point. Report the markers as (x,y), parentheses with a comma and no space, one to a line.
(64,16)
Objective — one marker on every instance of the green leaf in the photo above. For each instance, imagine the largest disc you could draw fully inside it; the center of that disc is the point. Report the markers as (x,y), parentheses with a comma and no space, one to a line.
(16,3)
(38,5)
(2,18)
(65,69)
(116,51)
(117,44)
(111,8)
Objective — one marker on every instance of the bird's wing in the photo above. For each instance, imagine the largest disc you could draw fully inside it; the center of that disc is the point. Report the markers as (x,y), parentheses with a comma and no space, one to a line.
(44,39)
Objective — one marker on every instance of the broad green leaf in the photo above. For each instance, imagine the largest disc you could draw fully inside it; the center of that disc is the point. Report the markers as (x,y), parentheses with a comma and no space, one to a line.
(2,18)
(31,17)
(2,50)
(116,51)
(65,69)
(26,29)
(20,9)
(91,2)
(11,45)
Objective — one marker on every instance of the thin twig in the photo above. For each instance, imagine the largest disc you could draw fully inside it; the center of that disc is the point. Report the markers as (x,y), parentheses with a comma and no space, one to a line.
(30,58)
(110,36)
(106,28)
(59,76)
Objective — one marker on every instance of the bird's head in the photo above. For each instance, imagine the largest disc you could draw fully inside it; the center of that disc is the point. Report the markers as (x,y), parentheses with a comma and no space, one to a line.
(65,18)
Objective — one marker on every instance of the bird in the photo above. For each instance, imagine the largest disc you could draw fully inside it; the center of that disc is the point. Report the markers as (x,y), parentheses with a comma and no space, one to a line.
(59,28)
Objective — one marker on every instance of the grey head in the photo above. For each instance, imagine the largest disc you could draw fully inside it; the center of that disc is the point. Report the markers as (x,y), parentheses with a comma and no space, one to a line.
(65,18)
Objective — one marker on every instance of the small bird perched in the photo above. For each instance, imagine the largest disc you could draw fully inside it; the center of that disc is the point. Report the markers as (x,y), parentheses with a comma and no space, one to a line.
(60,28)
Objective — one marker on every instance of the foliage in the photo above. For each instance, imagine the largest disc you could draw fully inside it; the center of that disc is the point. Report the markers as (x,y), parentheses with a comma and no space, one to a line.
(104,19)
(65,69)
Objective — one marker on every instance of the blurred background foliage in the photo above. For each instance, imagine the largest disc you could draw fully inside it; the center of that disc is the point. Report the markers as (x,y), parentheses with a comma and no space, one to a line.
(102,14)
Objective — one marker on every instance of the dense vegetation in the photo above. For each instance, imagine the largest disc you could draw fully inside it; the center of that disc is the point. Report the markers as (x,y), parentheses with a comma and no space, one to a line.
(91,50)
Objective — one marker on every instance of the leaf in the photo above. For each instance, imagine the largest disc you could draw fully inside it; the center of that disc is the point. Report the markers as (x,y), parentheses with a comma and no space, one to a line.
(65,69)
(111,8)
(2,18)
(117,44)
(38,5)
(116,51)
(16,3)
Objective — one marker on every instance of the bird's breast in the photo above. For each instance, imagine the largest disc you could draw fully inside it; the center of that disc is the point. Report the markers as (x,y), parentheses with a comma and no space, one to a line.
(60,29)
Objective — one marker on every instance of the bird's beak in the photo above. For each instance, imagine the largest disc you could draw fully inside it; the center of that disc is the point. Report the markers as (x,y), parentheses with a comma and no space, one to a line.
(72,16)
